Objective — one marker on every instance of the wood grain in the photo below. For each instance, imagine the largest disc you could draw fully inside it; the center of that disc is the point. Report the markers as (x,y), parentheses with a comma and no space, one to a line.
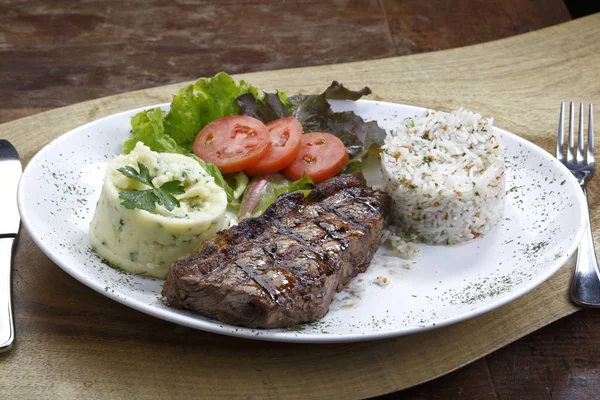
(56,53)
(74,342)
(421,26)
(576,378)
(557,362)
(134,45)
(475,382)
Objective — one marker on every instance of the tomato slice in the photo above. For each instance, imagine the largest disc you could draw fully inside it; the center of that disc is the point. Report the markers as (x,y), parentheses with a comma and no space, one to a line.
(321,156)
(232,143)
(285,141)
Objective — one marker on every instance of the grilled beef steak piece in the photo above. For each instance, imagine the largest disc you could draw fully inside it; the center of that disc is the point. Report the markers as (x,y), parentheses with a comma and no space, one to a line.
(284,267)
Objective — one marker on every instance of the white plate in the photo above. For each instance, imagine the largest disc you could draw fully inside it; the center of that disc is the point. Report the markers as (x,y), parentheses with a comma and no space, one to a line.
(540,230)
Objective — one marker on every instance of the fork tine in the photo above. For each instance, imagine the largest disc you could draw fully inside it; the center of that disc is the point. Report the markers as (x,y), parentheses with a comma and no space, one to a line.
(580,136)
(570,155)
(560,142)
(590,147)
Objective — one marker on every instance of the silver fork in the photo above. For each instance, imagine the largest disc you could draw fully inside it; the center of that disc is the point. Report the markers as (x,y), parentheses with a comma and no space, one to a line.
(585,287)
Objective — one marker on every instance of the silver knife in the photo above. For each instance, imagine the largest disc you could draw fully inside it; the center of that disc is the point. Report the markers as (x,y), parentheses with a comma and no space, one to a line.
(10,173)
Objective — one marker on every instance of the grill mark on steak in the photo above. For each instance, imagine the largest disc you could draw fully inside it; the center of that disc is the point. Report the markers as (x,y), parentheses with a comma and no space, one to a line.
(283,268)
(261,271)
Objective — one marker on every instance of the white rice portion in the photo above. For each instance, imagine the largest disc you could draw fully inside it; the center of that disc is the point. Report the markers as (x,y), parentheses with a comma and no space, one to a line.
(445,174)
(403,243)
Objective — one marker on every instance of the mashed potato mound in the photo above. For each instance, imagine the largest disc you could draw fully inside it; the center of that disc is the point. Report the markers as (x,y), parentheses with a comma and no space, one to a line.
(146,243)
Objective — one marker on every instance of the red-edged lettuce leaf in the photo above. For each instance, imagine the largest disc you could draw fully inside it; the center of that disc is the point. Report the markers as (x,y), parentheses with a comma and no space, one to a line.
(271,107)
(315,115)
(337,91)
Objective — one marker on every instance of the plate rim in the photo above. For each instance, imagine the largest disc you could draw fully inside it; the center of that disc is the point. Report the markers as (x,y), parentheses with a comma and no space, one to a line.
(217,327)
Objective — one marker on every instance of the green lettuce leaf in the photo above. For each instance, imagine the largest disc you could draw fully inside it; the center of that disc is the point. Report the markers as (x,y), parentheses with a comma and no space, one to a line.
(262,191)
(185,117)
(148,127)
(239,182)
(367,168)
(215,172)
(192,109)
(196,105)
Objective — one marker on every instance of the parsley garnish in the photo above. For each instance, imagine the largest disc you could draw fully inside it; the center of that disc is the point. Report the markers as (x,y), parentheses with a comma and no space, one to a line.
(407,236)
(147,199)
(427,159)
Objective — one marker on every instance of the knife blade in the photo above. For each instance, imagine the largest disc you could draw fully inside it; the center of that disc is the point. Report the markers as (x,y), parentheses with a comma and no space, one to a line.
(10,174)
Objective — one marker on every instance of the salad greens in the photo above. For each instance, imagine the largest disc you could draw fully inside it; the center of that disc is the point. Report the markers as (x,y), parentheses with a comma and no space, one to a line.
(240,182)
(209,99)
(148,127)
(215,172)
(191,110)
(316,115)
(271,107)
(264,190)
(234,185)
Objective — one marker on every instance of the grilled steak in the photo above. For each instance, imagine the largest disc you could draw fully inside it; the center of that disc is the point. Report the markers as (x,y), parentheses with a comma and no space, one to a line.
(284,267)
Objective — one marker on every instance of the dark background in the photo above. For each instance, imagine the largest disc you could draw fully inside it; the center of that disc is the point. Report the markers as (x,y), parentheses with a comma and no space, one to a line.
(581,8)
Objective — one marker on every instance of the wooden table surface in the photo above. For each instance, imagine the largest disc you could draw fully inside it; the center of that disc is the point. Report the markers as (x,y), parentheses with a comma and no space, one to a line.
(57,53)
